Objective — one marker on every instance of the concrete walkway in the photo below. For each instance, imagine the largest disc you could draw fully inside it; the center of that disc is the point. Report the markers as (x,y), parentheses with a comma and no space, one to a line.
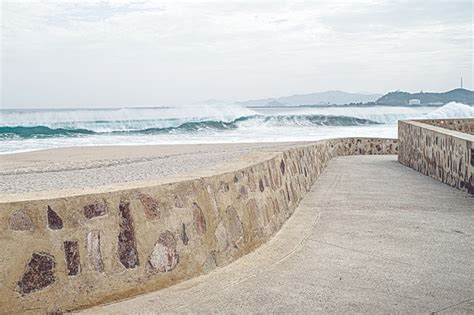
(372,236)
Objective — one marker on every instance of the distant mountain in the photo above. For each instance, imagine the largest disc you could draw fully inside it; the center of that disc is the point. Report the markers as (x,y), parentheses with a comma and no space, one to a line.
(403,98)
(322,98)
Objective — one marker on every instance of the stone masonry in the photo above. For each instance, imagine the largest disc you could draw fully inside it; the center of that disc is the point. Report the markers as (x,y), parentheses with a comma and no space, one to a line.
(441,153)
(70,252)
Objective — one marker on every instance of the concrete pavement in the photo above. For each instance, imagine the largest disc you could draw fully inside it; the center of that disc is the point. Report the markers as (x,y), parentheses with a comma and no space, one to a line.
(372,236)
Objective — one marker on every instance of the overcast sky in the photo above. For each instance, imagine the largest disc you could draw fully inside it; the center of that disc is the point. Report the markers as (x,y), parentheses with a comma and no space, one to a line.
(121,53)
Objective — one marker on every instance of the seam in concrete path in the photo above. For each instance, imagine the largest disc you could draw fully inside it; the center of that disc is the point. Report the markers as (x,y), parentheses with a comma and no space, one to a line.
(452,306)
(385,258)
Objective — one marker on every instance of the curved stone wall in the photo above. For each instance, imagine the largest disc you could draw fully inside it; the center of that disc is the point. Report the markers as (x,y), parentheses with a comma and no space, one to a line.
(66,252)
(443,154)
(465,125)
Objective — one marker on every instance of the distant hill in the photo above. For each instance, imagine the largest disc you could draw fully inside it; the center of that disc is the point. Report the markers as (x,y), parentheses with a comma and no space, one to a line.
(322,98)
(402,98)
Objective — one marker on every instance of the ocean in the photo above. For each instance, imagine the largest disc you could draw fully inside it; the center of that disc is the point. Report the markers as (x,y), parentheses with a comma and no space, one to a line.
(35,129)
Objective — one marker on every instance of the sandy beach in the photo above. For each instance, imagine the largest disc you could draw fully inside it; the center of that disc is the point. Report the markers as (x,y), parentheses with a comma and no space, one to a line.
(91,167)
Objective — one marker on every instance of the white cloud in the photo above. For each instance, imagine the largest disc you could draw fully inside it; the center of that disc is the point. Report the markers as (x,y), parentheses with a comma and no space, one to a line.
(120,53)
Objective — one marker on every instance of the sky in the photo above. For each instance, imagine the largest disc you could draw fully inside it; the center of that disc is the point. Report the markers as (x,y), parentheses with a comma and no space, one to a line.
(165,53)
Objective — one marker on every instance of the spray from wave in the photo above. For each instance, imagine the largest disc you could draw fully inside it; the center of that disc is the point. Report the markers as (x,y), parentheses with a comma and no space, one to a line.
(452,110)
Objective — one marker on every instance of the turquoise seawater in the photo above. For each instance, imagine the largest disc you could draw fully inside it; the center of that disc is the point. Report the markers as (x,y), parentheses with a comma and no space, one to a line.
(34,129)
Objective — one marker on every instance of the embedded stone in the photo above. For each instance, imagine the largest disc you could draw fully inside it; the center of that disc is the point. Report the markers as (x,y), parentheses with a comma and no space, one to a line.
(229,231)
(95,210)
(20,221)
(164,257)
(472,156)
(276,205)
(254,215)
(243,192)
(282,167)
(470,185)
(288,192)
(271,179)
(93,250)
(210,263)
(270,210)
(284,198)
(127,250)
(199,219)
(39,273)
(274,181)
(260,185)
(184,236)
(213,201)
(234,227)
(224,187)
(151,206)
(294,168)
(54,220)
(252,182)
(71,252)
(221,236)
(278,179)
(293,192)
(178,203)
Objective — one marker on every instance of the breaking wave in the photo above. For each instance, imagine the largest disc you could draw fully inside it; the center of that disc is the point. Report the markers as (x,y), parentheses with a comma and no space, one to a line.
(134,127)
(22,129)
(452,110)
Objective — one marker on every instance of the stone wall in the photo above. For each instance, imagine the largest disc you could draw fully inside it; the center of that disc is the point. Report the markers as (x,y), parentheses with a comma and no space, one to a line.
(440,153)
(465,125)
(67,252)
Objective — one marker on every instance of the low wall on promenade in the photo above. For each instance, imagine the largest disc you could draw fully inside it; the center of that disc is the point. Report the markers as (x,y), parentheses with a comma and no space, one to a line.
(62,251)
(436,149)
(465,125)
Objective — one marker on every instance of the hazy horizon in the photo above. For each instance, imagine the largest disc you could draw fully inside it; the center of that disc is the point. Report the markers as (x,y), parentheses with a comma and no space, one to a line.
(64,54)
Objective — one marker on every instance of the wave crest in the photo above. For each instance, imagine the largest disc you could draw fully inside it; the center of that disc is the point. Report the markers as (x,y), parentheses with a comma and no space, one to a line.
(40,131)
(191,126)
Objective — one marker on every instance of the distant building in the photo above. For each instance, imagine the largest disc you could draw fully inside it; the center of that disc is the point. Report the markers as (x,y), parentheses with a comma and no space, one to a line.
(414,101)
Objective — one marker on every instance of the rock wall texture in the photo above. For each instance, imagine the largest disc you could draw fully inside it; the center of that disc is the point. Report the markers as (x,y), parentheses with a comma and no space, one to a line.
(465,125)
(71,252)
(440,153)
